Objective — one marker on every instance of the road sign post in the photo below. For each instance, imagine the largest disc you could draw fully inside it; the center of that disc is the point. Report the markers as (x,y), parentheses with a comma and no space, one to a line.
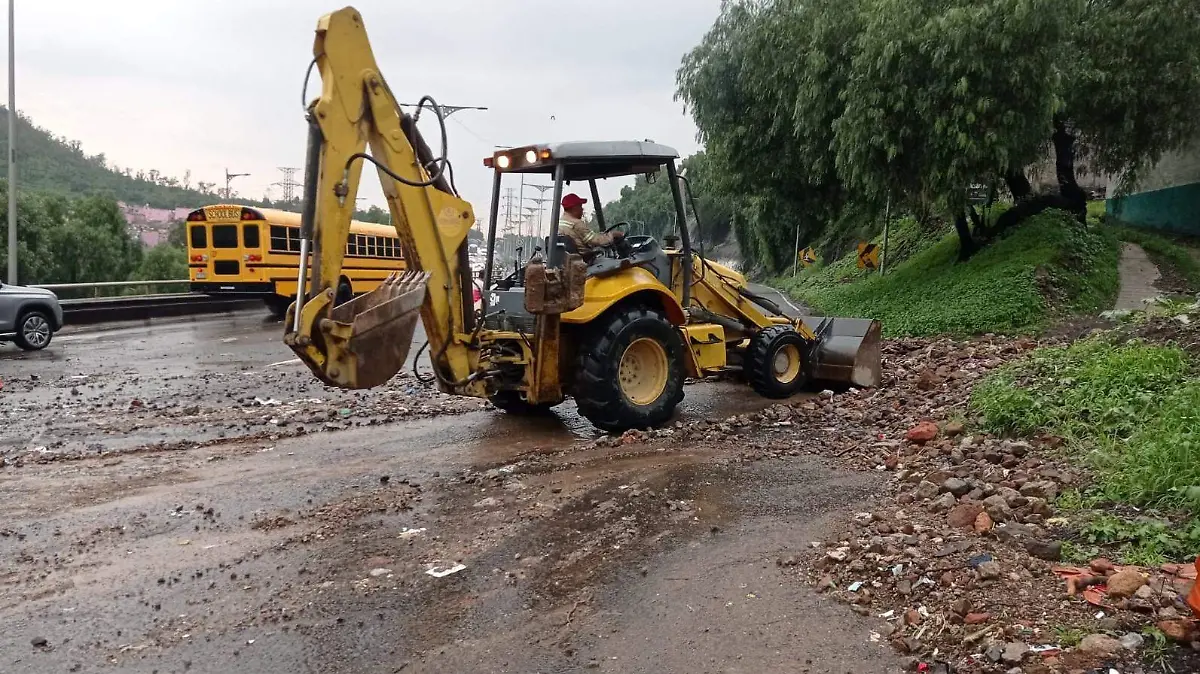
(868,256)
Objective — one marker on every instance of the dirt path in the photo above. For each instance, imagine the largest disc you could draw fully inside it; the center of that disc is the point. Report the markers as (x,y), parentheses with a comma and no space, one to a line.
(1138,278)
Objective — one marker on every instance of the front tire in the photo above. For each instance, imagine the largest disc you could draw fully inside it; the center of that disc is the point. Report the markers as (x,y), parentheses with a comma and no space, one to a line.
(631,370)
(34,331)
(774,362)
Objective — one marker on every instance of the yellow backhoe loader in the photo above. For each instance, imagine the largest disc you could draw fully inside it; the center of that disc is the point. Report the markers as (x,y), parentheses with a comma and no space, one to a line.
(619,332)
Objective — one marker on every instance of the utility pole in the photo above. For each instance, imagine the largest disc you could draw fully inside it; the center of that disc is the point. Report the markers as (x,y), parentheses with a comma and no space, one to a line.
(541,210)
(12,149)
(289,183)
(509,248)
(228,178)
(541,199)
(521,203)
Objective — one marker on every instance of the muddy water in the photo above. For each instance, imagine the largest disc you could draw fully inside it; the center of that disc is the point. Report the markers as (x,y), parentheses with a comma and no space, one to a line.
(270,552)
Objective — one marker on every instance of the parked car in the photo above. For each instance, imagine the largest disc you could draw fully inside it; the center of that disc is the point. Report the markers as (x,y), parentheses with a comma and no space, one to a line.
(29,317)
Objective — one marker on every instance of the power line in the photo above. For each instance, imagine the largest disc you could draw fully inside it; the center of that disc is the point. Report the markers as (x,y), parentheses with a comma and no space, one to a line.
(289,183)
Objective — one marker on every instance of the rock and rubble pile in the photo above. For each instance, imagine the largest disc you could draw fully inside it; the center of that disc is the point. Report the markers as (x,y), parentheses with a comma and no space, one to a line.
(959,558)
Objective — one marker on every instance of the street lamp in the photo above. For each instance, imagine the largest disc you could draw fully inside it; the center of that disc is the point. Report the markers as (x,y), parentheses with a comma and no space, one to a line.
(12,149)
(228,178)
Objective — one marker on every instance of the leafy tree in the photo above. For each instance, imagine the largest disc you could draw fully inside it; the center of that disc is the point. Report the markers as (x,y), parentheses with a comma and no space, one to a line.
(374,214)
(649,207)
(64,241)
(165,261)
(815,110)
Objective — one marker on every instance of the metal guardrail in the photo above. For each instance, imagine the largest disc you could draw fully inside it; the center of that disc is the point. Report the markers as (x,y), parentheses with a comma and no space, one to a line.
(108,284)
(107,308)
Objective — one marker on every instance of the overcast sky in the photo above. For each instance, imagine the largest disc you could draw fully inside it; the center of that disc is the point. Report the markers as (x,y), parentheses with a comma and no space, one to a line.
(203,85)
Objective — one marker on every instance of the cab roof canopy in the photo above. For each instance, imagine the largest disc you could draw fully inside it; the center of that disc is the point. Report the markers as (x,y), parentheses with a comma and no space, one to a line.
(589,160)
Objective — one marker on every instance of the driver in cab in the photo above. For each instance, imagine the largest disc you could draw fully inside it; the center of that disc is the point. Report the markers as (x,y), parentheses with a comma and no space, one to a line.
(571,224)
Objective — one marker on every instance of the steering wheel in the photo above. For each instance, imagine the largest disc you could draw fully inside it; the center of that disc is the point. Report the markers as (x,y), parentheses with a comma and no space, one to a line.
(619,224)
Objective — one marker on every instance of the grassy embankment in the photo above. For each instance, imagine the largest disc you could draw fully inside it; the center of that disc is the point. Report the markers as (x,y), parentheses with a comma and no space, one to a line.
(1047,267)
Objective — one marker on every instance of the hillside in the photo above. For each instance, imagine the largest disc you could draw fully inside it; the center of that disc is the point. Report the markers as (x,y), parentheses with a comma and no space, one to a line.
(49,163)
(1050,266)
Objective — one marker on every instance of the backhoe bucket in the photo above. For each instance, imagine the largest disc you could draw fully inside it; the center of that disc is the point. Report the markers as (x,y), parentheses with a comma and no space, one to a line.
(848,351)
(382,325)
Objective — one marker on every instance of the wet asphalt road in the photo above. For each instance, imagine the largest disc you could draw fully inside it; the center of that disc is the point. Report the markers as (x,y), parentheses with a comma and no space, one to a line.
(219,540)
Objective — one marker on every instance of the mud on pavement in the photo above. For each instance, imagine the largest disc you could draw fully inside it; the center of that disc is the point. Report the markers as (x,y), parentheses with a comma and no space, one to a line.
(313,554)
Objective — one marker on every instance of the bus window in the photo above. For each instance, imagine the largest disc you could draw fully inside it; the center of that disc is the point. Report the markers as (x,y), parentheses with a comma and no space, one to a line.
(279,238)
(293,240)
(224,236)
(388,248)
(250,236)
(199,237)
(372,246)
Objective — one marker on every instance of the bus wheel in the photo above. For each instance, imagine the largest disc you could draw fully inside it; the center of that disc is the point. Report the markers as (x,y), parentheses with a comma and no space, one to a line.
(277,306)
(345,292)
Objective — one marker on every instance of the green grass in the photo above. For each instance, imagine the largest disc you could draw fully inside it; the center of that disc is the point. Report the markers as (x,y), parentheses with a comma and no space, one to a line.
(1047,266)
(1134,406)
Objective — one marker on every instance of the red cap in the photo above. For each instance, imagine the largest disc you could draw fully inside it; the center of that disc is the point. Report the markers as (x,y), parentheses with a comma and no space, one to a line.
(573,200)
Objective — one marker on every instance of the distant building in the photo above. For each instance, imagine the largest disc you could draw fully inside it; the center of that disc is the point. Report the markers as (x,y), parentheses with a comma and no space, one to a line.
(151,226)
(1168,196)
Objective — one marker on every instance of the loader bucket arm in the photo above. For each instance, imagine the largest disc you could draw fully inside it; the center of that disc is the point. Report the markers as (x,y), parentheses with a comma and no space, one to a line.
(365,342)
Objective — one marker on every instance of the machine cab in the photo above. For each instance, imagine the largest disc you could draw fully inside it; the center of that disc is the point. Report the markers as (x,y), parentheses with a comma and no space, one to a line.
(516,232)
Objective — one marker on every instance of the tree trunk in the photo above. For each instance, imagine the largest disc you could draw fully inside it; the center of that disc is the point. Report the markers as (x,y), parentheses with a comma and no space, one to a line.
(966,242)
(1064,169)
(1018,184)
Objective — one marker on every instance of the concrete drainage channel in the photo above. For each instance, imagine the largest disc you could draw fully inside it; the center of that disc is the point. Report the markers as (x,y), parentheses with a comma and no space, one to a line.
(109,309)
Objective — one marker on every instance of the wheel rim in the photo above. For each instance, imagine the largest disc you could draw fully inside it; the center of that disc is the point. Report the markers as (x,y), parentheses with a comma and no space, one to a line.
(643,371)
(36,331)
(786,364)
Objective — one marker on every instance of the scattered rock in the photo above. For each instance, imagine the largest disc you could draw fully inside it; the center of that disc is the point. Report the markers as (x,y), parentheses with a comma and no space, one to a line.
(922,432)
(953,428)
(989,570)
(1100,645)
(1176,630)
(1132,641)
(1124,584)
(977,618)
(983,522)
(964,515)
(1014,653)
(39,642)
(1048,550)
(926,490)
(956,486)
(943,503)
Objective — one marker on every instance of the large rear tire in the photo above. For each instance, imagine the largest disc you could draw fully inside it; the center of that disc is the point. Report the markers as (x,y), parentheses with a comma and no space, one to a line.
(630,370)
(512,403)
(774,362)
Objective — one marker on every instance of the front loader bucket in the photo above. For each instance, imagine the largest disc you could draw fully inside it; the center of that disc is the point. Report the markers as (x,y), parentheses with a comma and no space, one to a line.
(848,351)
(382,325)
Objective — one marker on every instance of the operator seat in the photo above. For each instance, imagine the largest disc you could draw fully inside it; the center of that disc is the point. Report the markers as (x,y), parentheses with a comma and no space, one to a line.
(572,249)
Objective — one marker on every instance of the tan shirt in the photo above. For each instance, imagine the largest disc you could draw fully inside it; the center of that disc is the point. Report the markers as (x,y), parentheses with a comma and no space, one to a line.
(584,237)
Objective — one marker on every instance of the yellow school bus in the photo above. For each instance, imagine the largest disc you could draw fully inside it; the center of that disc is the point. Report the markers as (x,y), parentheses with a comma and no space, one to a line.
(255,252)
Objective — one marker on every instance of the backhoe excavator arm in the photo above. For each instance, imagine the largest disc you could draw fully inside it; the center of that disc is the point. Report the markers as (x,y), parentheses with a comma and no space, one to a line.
(364,343)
